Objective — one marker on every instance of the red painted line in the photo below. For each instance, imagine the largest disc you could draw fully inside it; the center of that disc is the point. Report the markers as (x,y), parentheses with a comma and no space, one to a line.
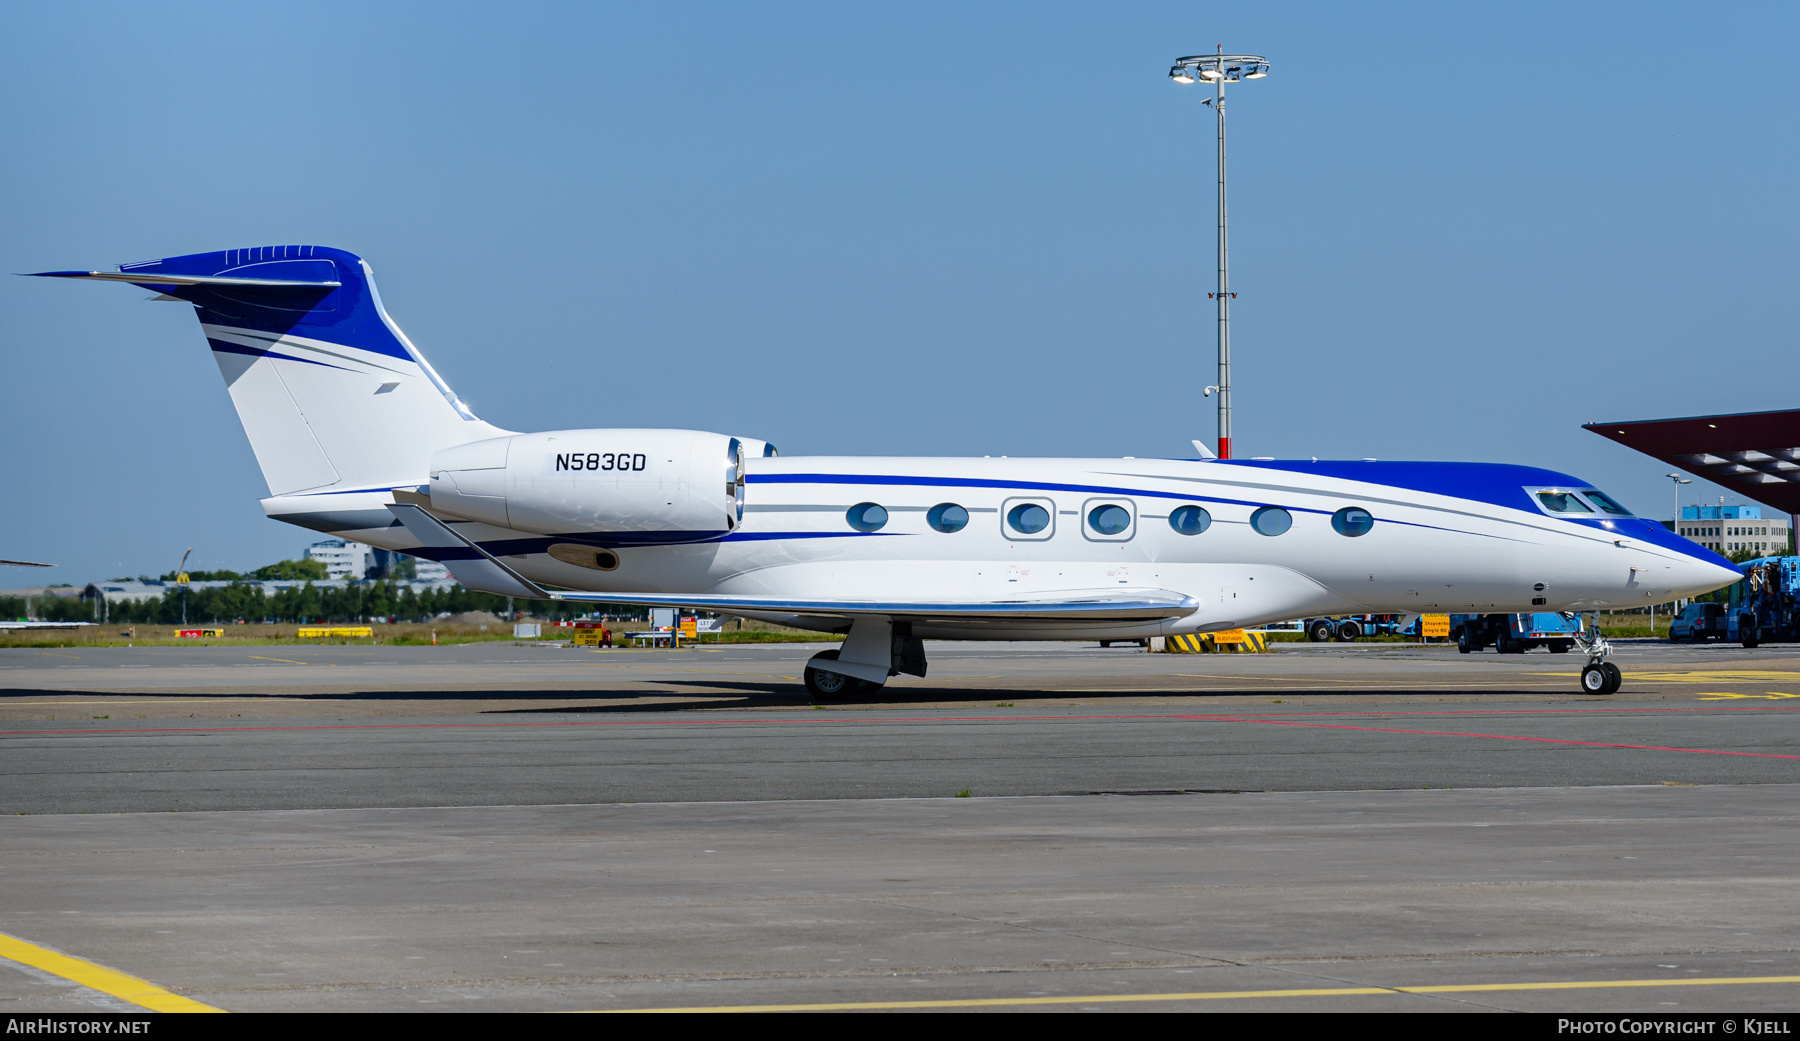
(1514,737)
(568,723)
(1365,714)
(1597,710)
(814,720)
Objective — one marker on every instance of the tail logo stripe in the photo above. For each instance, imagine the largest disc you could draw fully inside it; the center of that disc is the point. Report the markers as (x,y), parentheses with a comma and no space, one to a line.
(262,341)
(225,347)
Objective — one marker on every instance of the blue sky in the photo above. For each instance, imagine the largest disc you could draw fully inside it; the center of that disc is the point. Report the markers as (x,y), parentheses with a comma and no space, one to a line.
(1459,231)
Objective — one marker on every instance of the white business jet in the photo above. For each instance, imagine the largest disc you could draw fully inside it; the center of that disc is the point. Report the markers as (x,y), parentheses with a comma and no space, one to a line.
(359,437)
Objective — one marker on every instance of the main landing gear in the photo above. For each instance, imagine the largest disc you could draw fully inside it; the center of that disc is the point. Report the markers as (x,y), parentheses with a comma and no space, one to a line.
(824,685)
(876,649)
(1599,676)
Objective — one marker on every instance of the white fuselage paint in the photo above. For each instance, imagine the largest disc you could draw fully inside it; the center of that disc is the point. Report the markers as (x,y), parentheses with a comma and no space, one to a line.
(1426,551)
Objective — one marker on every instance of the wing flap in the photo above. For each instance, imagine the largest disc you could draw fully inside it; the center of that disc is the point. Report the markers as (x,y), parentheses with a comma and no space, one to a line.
(1141,605)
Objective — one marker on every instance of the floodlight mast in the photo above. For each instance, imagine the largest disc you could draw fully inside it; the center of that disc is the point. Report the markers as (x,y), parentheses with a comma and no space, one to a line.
(1679,481)
(1217,69)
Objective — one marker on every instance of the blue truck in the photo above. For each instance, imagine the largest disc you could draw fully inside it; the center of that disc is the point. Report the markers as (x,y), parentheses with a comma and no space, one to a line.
(1515,633)
(1349,627)
(1765,605)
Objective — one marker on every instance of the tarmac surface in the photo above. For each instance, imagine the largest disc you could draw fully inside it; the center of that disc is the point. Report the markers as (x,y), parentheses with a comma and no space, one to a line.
(490,826)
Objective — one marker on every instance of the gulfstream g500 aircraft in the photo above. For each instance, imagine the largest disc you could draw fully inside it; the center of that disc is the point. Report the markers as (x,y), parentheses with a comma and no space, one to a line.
(359,437)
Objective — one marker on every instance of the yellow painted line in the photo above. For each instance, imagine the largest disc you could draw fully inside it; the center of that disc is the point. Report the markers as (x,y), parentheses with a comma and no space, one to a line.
(1265,678)
(1502,682)
(285,661)
(52,654)
(1218,995)
(1710,676)
(652,667)
(99,977)
(1716,981)
(1720,695)
(1298,685)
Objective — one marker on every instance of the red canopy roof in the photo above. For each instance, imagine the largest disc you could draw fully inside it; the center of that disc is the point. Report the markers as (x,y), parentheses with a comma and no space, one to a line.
(1756,454)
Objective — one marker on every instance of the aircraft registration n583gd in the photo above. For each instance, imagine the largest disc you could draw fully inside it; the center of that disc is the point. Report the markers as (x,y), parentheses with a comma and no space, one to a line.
(359,437)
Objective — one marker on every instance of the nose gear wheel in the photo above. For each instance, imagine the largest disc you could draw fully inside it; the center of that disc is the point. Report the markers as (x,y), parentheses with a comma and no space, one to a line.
(1598,676)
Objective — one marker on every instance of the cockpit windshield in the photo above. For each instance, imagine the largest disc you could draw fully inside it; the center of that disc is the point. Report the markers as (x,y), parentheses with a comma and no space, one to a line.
(1606,502)
(1576,503)
(1562,502)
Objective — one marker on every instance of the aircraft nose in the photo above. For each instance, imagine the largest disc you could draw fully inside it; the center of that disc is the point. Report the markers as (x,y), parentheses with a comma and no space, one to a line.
(1696,575)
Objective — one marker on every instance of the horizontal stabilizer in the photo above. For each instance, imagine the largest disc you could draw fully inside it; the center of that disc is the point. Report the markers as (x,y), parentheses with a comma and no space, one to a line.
(479,570)
(148,279)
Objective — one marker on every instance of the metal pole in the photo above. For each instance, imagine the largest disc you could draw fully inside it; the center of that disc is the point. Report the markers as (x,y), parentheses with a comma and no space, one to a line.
(1220,68)
(1224,287)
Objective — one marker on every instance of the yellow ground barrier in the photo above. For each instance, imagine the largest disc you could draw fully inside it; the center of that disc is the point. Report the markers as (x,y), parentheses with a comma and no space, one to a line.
(1225,641)
(352,631)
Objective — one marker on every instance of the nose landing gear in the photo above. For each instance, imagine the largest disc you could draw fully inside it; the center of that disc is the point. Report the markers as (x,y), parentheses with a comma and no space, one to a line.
(1599,676)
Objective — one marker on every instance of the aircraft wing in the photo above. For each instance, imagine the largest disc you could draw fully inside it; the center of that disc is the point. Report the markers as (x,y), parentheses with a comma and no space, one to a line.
(1139,605)
(479,570)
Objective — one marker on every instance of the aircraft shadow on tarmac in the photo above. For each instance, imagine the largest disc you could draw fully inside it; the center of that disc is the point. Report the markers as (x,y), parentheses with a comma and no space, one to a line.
(755,695)
(664,696)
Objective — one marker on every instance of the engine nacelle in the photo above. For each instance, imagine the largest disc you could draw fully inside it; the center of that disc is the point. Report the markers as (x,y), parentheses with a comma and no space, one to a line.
(644,485)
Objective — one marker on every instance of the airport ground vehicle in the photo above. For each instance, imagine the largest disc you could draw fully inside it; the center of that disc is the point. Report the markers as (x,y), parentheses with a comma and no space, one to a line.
(1698,623)
(1515,633)
(1765,605)
(1350,627)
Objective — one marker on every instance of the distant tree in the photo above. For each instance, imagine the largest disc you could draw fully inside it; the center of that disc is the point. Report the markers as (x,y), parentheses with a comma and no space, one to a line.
(294,570)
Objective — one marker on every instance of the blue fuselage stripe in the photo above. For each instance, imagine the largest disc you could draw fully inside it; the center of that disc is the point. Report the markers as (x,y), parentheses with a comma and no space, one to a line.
(980,482)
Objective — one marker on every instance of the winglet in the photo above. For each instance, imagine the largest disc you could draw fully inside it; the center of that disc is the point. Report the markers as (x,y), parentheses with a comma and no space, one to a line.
(1205,452)
(474,567)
